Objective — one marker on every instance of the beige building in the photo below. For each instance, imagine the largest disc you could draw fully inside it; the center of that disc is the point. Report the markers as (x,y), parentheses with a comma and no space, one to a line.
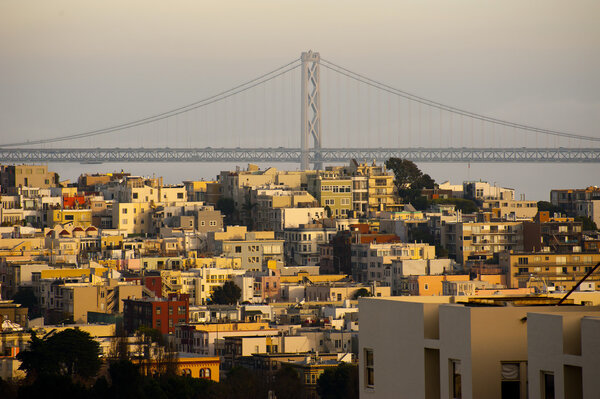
(511,209)
(35,176)
(431,348)
(480,241)
(561,271)
(199,284)
(373,262)
(255,249)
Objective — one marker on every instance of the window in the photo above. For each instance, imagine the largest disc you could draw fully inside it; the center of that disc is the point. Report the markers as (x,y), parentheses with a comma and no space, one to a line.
(523,261)
(511,381)
(69,217)
(547,382)
(135,195)
(238,249)
(455,379)
(124,210)
(179,195)
(369,368)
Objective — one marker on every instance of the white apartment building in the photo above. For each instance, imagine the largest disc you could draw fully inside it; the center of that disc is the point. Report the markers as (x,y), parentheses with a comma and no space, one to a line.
(302,243)
(417,347)
(372,262)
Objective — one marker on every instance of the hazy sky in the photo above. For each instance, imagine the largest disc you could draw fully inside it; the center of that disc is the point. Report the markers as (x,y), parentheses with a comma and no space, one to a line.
(73,66)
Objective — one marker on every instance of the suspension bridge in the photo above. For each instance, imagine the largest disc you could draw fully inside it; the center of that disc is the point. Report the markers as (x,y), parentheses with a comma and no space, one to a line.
(343,115)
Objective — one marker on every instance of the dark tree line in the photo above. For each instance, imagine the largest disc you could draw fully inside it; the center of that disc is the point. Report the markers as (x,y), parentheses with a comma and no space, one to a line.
(67,364)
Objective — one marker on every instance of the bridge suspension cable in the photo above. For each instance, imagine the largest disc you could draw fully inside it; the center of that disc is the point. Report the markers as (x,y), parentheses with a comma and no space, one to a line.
(154,118)
(421,100)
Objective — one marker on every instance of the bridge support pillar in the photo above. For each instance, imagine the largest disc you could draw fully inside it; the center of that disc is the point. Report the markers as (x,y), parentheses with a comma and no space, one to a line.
(311,110)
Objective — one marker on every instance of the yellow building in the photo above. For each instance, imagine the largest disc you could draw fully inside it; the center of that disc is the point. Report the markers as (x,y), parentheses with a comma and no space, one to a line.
(197,190)
(75,217)
(133,217)
(192,365)
(332,192)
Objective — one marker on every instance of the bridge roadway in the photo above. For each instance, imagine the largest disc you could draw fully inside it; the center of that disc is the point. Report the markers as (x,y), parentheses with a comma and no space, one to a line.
(292,155)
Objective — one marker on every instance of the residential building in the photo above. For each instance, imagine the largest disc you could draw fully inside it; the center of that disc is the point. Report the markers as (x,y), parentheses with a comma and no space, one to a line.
(561,271)
(35,176)
(432,348)
(474,242)
(568,199)
(481,190)
(372,262)
(302,243)
(162,314)
(333,192)
(255,249)
(511,209)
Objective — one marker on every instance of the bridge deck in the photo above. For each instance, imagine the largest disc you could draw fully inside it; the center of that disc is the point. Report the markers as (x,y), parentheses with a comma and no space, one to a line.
(293,155)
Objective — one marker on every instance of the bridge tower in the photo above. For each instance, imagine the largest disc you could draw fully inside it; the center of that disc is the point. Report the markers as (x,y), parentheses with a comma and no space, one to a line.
(311,109)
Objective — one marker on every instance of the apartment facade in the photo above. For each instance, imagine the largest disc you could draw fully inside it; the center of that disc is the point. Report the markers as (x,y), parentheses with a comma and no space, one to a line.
(561,271)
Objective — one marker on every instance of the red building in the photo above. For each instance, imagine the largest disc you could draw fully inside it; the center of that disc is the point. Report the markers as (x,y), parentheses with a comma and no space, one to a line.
(161,314)
(153,283)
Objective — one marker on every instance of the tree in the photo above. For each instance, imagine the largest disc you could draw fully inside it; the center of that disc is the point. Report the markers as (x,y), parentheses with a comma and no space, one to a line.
(71,353)
(464,205)
(405,172)
(363,292)
(287,383)
(408,178)
(228,294)
(227,207)
(26,298)
(587,223)
(339,382)
(545,206)
(242,383)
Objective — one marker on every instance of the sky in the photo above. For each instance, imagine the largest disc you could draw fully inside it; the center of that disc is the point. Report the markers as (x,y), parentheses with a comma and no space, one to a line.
(71,66)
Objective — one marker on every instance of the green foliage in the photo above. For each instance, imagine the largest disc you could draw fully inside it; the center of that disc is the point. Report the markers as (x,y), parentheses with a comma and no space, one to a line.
(464,205)
(328,211)
(287,383)
(242,383)
(363,292)
(420,203)
(71,353)
(339,382)
(228,294)
(587,223)
(409,179)
(441,252)
(545,206)
(421,235)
